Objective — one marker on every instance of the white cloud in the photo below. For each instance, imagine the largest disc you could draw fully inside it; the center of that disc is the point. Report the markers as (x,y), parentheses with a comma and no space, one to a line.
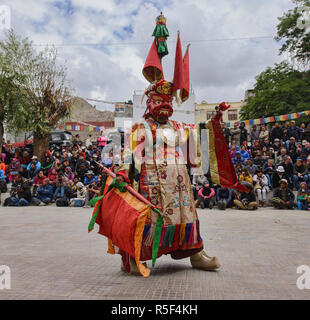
(220,70)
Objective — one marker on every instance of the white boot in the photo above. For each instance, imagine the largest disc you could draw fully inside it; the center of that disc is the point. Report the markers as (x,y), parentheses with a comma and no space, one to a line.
(202,261)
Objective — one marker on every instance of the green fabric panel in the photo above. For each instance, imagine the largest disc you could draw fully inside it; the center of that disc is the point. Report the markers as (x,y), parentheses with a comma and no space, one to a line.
(156,239)
(171,235)
(160,31)
(162,48)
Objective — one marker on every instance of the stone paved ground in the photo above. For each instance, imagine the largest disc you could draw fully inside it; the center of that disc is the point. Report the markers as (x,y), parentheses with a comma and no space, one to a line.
(52,256)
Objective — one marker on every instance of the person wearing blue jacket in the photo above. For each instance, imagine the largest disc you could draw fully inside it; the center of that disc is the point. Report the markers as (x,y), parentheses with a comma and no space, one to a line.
(223,198)
(2,176)
(245,155)
(90,178)
(34,160)
(45,193)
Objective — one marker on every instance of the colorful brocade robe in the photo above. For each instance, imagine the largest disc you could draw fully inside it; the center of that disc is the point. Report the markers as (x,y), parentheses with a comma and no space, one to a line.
(156,167)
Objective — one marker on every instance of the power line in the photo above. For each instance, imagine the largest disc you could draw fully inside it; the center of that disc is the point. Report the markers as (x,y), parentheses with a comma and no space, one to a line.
(84,44)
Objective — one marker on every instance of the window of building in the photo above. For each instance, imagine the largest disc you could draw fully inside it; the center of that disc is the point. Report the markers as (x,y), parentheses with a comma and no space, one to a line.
(210,114)
(232,115)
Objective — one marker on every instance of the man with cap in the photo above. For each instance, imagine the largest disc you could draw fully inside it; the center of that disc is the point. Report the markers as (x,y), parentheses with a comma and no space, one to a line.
(90,178)
(283,197)
(35,161)
(276,145)
(277,176)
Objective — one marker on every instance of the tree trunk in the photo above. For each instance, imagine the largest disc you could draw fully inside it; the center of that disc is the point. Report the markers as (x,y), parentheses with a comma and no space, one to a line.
(40,144)
(1,135)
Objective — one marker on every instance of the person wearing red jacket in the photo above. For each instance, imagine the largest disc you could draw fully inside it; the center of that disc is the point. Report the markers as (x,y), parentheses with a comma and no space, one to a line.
(38,181)
(206,196)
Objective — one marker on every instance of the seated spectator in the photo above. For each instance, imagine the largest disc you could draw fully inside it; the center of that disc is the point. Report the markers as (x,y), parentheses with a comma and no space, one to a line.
(278,176)
(224,198)
(238,158)
(25,159)
(238,167)
(259,160)
(232,151)
(38,181)
(299,173)
(36,162)
(62,186)
(268,170)
(251,167)
(79,200)
(291,148)
(276,145)
(32,172)
(69,174)
(261,187)
(90,178)
(73,193)
(93,190)
(47,165)
(303,198)
(307,170)
(2,176)
(266,154)
(45,194)
(20,193)
(283,197)
(280,156)
(246,201)
(13,169)
(2,165)
(255,147)
(53,176)
(289,169)
(246,176)
(206,196)
(245,155)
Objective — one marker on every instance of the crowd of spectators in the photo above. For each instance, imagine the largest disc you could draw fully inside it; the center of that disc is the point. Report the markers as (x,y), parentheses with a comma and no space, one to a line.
(68,175)
(272,162)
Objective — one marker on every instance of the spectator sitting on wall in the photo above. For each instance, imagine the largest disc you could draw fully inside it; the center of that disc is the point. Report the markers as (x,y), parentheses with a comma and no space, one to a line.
(299,173)
(38,181)
(224,198)
(261,187)
(20,193)
(44,194)
(36,162)
(283,197)
(206,196)
(246,201)
(90,178)
(303,198)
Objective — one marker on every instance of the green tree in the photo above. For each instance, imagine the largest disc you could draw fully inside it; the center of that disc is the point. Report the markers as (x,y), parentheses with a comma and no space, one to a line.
(278,90)
(293,32)
(42,85)
(14,57)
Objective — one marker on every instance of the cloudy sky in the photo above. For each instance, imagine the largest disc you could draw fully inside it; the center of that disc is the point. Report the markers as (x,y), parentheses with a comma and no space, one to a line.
(105,42)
